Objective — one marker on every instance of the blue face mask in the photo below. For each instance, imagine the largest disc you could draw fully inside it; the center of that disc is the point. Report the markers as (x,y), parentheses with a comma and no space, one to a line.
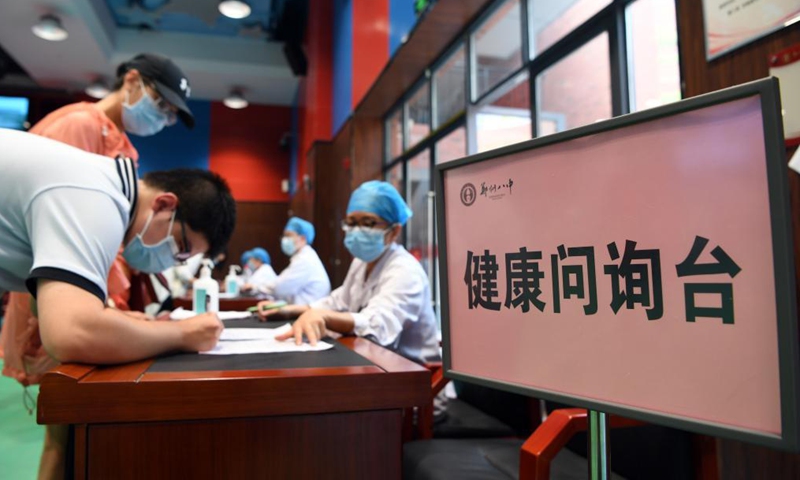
(143,118)
(151,258)
(287,246)
(365,243)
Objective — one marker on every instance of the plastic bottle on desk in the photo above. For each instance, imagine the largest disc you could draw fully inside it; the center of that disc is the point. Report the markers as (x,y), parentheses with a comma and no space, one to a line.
(206,291)
(232,281)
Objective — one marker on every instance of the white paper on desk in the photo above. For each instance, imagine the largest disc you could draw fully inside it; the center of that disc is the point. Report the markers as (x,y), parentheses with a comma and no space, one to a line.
(182,314)
(263,345)
(239,334)
(794,163)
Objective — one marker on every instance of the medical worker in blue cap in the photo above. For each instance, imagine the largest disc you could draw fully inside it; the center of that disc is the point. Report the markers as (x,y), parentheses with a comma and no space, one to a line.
(260,264)
(305,279)
(244,261)
(386,295)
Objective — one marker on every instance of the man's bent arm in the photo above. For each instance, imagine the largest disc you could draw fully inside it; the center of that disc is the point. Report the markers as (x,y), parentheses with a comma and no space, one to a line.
(76,327)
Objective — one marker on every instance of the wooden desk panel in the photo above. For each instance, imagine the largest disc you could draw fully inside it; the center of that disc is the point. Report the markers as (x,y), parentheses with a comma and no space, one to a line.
(342,422)
(238,304)
(333,446)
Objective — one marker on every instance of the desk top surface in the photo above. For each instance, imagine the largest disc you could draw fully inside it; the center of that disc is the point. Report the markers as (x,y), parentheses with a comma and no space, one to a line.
(356,375)
(338,356)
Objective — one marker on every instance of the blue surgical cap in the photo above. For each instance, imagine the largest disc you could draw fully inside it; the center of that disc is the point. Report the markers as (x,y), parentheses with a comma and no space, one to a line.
(261,254)
(246,256)
(301,227)
(382,199)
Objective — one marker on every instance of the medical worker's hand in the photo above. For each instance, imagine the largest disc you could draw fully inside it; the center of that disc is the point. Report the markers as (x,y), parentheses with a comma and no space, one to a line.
(311,324)
(201,333)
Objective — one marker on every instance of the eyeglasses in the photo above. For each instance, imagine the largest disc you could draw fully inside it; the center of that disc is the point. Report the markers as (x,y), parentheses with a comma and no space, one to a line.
(349,225)
(184,255)
(163,106)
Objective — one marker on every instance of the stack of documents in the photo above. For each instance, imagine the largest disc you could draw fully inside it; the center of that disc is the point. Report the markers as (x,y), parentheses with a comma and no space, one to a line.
(260,340)
(182,314)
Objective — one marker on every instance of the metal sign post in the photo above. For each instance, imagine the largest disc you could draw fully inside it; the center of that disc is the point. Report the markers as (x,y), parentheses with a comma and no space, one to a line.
(598,445)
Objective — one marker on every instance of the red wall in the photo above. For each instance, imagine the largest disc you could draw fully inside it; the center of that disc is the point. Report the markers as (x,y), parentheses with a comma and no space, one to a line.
(245,150)
(370,44)
(316,88)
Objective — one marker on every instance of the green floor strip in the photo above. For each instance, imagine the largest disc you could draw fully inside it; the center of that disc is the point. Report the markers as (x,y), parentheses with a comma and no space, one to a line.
(20,437)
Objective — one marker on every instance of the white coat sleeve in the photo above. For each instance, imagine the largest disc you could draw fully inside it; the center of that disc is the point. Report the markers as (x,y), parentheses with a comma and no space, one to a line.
(398,298)
(291,280)
(339,299)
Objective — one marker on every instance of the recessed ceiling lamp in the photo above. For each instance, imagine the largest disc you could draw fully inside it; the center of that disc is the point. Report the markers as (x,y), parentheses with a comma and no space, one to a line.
(235,100)
(97,89)
(234,8)
(49,28)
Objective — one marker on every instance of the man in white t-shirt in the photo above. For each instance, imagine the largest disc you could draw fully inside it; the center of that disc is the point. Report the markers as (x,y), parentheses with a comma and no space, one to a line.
(64,214)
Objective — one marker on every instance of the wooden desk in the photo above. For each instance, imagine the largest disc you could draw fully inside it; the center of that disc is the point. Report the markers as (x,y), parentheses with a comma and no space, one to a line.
(237,304)
(301,423)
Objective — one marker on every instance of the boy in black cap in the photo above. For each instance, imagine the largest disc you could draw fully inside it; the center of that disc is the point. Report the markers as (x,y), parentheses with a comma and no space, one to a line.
(163,78)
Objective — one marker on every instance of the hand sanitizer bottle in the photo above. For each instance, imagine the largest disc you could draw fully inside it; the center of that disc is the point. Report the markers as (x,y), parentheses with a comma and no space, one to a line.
(232,281)
(206,291)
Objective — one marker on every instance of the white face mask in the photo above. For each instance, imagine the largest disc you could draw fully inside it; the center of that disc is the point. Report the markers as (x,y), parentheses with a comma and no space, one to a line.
(366,244)
(152,258)
(288,246)
(143,118)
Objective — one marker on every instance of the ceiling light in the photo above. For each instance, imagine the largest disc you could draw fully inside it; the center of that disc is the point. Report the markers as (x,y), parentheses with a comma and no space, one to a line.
(235,100)
(49,28)
(97,89)
(234,8)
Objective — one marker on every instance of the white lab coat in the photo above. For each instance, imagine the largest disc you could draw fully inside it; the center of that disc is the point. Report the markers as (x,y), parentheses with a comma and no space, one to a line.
(392,307)
(303,281)
(262,276)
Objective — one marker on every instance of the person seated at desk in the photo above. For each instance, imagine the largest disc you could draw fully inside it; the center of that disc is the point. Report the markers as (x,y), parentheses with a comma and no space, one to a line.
(260,264)
(244,261)
(66,212)
(386,296)
(305,279)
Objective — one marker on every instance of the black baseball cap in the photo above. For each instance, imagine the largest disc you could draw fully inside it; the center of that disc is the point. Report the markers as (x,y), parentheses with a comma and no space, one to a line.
(169,81)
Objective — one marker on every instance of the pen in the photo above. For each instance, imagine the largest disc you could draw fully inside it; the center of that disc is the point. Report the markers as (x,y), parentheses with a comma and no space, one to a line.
(272,306)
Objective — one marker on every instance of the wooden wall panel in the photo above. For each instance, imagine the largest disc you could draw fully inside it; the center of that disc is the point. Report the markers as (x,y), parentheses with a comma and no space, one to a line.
(367,149)
(302,203)
(332,163)
(258,224)
(739,66)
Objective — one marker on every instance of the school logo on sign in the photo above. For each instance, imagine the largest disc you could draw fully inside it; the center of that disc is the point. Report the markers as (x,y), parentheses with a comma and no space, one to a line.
(468,194)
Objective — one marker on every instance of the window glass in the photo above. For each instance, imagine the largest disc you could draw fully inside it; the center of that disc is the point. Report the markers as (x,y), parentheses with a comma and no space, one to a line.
(550,20)
(498,47)
(395,176)
(420,243)
(450,81)
(453,146)
(419,115)
(575,91)
(506,119)
(653,65)
(394,135)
